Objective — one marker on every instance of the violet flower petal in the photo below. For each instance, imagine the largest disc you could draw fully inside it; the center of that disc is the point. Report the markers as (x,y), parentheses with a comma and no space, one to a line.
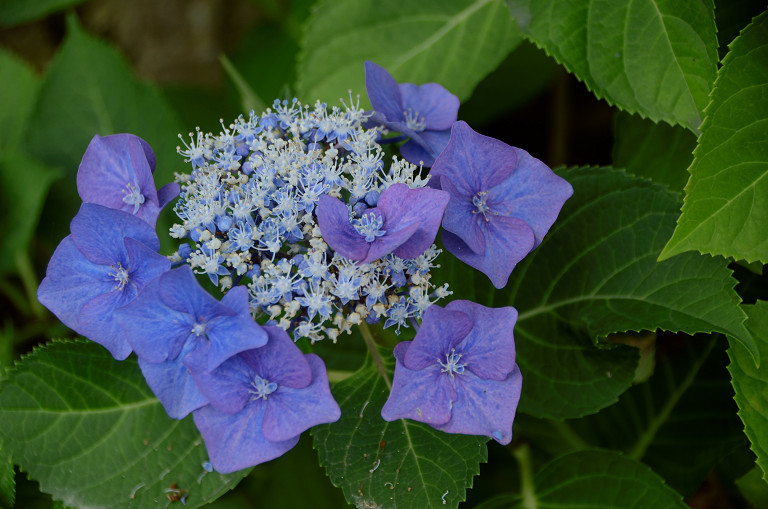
(180,290)
(173,386)
(227,387)
(485,407)
(337,230)
(167,193)
(441,330)
(289,412)
(436,105)
(423,148)
(236,441)
(533,193)
(97,322)
(426,395)
(474,162)
(461,219)
(488,350)
(230,335)
(509,240)
(383,92)
(280,361)
(99,233)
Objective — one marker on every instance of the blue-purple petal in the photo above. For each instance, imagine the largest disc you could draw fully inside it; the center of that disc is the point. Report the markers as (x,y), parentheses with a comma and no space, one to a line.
(227,387)
(423,148)
(337,230)
(98,323)
(425,395)
(99,233)
(230,335)
(508,240)
(485,407)
(461,219)
(383,92)
(488,350)
(180,290)
(167,193)
(280,360)
(173,386)
(289,412)
(235,442)
(441,330)
(431,101)
(532,193)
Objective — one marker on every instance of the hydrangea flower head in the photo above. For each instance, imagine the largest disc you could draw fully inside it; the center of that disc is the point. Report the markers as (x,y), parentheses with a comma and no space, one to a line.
(503,201)
(107,259)
(404,222)
(459,373)
(255,202)
(116,172)
(261,401)
(175,326)
(423,113)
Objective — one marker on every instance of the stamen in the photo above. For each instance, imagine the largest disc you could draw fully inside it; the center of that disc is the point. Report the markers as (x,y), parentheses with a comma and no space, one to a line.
(262,388)
(121,276)
(414,121)
(133,196)
(451,364)
(479,201)
(369,226)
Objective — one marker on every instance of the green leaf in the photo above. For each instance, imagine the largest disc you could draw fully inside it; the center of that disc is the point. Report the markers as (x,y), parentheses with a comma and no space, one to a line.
(731,17)
(681,421)
(596,273)
(24,186)
(656,58)
(7,481)
(392,464)
(451,42)
(750,384)
(14,12)
(91,432)
(90,89)
(596,478)
(754,488)
(726,203)
(20,87)
(659,152)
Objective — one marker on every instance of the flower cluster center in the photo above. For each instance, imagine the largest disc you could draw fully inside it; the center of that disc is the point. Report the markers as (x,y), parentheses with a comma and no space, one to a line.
(451,364)
(369,226)
(261,388)
(121,276)
(133,196)
(198,329)
(414,121)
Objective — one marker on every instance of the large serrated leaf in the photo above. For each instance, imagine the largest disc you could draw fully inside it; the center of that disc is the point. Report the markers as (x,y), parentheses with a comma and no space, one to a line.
(596,273)
(403,463)
(680,422)
(656,58)
(91,432)
(453,42)
(7,481)
(726,203)
(596,479)
(659,152)
(750,384)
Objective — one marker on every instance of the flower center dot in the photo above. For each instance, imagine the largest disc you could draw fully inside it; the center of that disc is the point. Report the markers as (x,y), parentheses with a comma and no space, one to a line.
(261,388)
(133,196)
(369,226)
(481,207)
(414,121)
(121,276)
(451,364)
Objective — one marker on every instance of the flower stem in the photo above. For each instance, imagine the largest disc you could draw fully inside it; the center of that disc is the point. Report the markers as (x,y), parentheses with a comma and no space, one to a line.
(377,360)
(522,454)
(337,375)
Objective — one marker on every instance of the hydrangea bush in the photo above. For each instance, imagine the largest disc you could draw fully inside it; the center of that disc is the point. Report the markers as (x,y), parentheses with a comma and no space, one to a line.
(389,274)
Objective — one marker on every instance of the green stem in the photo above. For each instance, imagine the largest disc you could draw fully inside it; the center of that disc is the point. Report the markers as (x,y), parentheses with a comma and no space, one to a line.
(377,360)
(522,454)
(337,375)
(570,436)
(14,295)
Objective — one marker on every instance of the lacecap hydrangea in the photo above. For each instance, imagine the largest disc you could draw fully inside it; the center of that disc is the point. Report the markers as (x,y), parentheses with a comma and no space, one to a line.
(307,229)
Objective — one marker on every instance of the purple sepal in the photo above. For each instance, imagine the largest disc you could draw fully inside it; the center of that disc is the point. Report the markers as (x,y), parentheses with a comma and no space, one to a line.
(235,441)
(422,113)
(485,407)
(116,172)
(411,218)
(467,381)
(503,201)
(424,395)
(98,269)
(280,360)
(167,193)
(290,411)
(173,386)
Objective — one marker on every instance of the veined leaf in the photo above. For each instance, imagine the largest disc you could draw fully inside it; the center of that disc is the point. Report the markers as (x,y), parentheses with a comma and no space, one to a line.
(91,432)
(659,152)
(656,58)
(452,42)
(594,478)
(726,203)
(680,422)
(392,464)
(750,384)
(596,273)
(7,481)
